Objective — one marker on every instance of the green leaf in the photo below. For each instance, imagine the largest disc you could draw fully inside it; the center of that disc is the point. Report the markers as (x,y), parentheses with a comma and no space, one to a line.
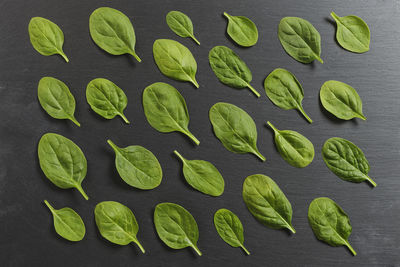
(230,228)
(285,91)
(117,223)
(176,227)
(62,161)
(352,33)
(235,129)
(242,30)
(300,39)
(113,32)
(181,24)
(175,61)
(346,160)
(230,69)
(46,37)
(106,98)
(137,166)
(267,202)
(56,99)
(295,148)
(68,223)
(165,109)
(330,223)
(341,100)
(202,176)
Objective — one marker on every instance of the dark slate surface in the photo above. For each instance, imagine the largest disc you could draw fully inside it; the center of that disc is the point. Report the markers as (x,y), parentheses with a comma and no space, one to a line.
(27,237)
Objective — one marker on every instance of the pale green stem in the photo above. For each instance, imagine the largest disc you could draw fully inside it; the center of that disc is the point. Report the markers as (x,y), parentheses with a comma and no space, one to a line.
(63,55)
(273,127)
(123,117)
(336,17)
(371,181)
(304,114)
(48,205)
(194,38)
(245,250)
(197,250)
(191,136)
(135,56)
(227,15)
(193,80)
(140,246)
(80,189)
(351,248)
(258,154)
(72,118)
(179,155)
(319,59)
(291,229)
(253,90)
(361,116)
(114,146)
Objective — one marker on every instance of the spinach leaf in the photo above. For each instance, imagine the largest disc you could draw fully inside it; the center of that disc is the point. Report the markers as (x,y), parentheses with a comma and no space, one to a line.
(117,223)
(346,160)
(113,32)
(165,109)
(295,148)
(202,176)
(176,227)
(242,30)
(267,203)
(175,61)
(62,161)
(300,39)
(106,98)
(56,99)
(181,24)
(285,91)
(235,129)
(46,37)
(230,69)
(137,166)
(330,223)
(230,228)
(352,33)
(68,223)
(341,100)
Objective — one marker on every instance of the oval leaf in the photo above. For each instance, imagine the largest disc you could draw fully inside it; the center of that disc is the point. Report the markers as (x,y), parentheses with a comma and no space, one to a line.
(181,24)
(242,30)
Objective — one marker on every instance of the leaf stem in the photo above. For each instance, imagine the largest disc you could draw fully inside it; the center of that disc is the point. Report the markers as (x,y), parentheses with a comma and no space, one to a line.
(227,15)
(253,90)
(114,146)
(273,127)
(179,155)
(122,115)
(72,118)
(245,250)
(258,154)
(361,116)
(193,80)
(291,229)
(197,250)
(194,39)
(191,136)
(135,56)
(333,15)
(140,246)
(63,55)
(351,248)
(48,205)
(304,114)
(371,181)
(80,189)
(319,59)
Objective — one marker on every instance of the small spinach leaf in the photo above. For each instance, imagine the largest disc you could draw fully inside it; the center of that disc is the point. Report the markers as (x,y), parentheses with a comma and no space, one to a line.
(235,129)
(46,37)
(330,223)
(230,69)
(137,166)
(117,223)
(230,228)
(346,160)
(62,161)
(106,98)
(176,227)
(295,148)
(113,32)
(175,60)
(165,109)
(300,39)
(242,30)
(68,223)
(341,100)
(267,202)
(202,176)
(181,24)
(285,91)
(56,99)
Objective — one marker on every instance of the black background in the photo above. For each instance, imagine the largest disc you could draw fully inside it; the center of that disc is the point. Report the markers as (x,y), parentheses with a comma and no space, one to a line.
(27,237)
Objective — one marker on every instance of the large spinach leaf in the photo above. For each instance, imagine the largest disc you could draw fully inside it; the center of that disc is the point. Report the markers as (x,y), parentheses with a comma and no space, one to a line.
(242,30)
(181,24)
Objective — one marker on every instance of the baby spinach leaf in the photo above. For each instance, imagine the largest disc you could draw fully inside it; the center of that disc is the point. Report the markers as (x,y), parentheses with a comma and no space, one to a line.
(341,100)
(106,98)
(230,69)
(330,223)
(176,227)
(230,228)
(68,223)
(300,39)
(113,32)
(165,109)
(285,91)
(175,61)
(46,37)
(267,203)
(181,24)
(202,176)
(242,30)
(117,223)
(295,148)
(56,99)
(235,129)
(346,160)
(62,161)
(137,166)
(352,33)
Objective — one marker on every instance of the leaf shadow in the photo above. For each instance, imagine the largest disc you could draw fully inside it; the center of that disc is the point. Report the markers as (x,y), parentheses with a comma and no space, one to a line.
(333,23)
(131,60)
